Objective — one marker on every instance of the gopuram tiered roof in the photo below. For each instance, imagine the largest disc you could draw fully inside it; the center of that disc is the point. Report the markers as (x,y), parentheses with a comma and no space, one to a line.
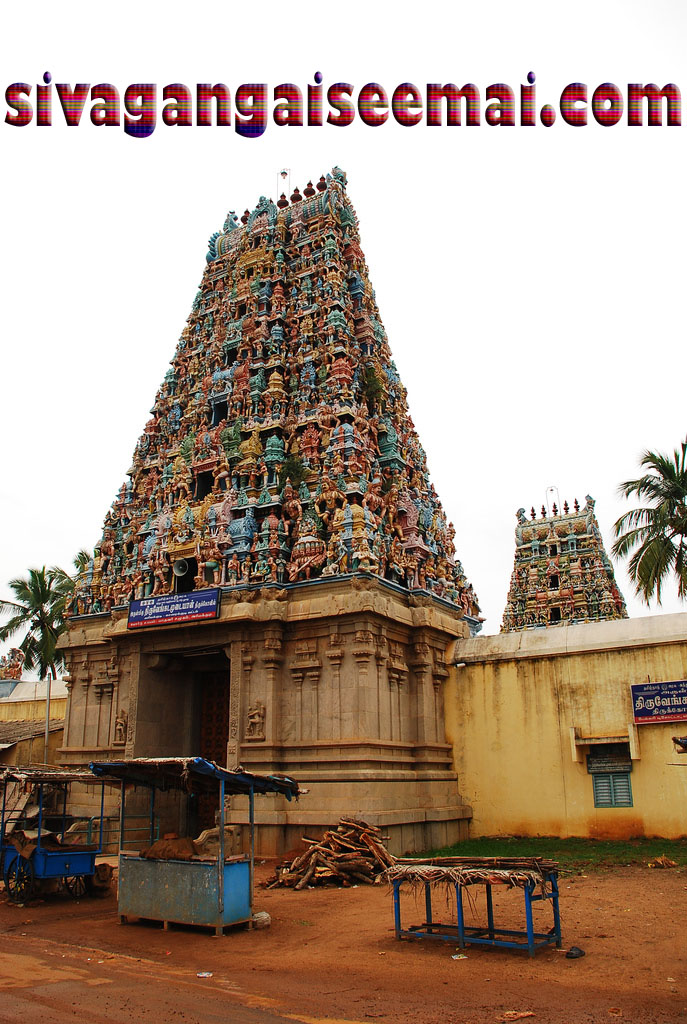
(562,573)
(280,447)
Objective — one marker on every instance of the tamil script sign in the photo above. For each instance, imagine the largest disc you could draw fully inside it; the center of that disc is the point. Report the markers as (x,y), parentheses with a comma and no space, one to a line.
(602,765)
(171,608)
(660,702)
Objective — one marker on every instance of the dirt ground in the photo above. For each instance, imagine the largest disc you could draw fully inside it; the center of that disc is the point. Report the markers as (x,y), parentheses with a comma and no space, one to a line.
(331,955)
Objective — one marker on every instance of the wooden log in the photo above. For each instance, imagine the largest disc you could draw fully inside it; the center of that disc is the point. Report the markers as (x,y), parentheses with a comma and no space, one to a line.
(379,851)
(332,868)
(361,878)
(344,842)
(358,825)
(352,867)
(300,861)
(290,879)
(308,874)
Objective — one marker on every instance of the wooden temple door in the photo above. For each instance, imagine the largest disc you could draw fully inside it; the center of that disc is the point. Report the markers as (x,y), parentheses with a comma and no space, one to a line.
(214,734)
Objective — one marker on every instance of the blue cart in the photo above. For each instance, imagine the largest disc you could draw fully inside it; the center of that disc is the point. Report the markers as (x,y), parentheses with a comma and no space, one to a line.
(203,890)
(27,860)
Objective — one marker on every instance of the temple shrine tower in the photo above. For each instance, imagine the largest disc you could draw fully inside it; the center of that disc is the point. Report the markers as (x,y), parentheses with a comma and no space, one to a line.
(562,573)
(281,476)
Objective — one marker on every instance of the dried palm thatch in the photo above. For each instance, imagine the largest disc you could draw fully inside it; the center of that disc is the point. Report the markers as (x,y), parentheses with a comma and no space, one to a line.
(519,872)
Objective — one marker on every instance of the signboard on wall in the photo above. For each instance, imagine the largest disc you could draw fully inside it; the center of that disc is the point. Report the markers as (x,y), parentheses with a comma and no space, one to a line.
(172,608)
(602,765)
(659,702)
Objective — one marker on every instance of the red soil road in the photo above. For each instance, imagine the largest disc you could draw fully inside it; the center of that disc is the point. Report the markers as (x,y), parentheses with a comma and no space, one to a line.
(331,955)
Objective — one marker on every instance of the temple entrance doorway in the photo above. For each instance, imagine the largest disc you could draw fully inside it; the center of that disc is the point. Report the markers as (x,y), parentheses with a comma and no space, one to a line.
(211,690)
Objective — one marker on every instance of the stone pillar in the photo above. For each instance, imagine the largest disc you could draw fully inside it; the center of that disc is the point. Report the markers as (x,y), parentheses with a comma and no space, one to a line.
(242,659)
(439,675)
(383,711)
(113,679)
(69,686)
(306,668)
(335,653)
(85,683)
(272,657)
(313,677)
(132,710)
(425,717)
(366,711)
(103,696)
(397,672)
(104,687)
(79,669)
(297,676)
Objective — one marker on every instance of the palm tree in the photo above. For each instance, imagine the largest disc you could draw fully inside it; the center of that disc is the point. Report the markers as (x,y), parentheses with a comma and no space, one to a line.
(66,582)
(656,534)
(39,608)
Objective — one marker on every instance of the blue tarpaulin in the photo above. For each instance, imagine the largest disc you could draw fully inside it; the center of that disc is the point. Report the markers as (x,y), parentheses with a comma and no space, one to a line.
(191,774)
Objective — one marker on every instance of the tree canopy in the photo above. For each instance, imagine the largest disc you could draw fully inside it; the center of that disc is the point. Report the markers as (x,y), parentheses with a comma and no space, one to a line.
(39,609)
(654,535)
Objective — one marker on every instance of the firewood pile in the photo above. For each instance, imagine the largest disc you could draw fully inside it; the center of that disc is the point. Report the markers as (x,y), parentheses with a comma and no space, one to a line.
(352,854)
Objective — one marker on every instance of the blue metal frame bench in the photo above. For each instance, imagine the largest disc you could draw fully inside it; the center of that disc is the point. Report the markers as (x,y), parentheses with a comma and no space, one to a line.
(537,879)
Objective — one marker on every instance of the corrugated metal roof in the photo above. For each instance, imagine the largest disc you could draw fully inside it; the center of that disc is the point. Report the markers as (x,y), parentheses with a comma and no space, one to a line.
(35,690)
(15,732)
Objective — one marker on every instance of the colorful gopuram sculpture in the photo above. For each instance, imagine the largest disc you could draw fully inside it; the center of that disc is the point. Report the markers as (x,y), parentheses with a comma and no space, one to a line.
(280,447)
(562,573)
(12,664)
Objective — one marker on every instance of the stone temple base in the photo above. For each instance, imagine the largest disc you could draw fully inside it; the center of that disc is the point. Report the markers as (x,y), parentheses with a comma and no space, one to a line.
(409,815)
(338,683)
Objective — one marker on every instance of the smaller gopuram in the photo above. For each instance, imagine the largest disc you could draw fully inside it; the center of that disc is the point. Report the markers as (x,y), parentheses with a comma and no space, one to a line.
(562,573)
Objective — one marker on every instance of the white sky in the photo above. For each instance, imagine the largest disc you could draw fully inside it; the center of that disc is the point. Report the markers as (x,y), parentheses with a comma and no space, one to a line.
(530,280)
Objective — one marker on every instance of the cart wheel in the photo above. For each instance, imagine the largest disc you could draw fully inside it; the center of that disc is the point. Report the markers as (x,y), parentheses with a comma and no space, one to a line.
(19,880)
(76,886)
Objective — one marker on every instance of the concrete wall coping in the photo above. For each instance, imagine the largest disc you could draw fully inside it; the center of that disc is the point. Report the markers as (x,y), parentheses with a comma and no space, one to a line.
(581,638)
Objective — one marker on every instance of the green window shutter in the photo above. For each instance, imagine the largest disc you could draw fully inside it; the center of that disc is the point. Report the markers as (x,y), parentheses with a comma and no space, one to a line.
(622,791)
(612,789)
(603,793)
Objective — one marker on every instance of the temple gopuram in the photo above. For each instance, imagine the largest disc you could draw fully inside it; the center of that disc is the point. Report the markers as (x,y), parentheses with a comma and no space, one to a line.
(280,482)
(562,573)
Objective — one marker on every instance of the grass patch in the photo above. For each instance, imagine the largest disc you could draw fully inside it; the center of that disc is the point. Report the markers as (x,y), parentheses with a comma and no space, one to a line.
(572,854)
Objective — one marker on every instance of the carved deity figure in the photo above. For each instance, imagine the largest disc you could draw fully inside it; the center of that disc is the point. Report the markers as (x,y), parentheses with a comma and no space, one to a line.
(329,499)
(255,727)
(221,474)
(208,556)
(374,499)
(11,664)
(121,722)
(291,507)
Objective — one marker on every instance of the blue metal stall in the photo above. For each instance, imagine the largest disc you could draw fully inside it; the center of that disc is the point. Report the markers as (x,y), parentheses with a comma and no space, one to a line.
(211,891)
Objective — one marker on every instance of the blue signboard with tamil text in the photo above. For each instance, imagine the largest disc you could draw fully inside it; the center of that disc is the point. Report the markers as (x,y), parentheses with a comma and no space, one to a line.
(170,608)
(660,702)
